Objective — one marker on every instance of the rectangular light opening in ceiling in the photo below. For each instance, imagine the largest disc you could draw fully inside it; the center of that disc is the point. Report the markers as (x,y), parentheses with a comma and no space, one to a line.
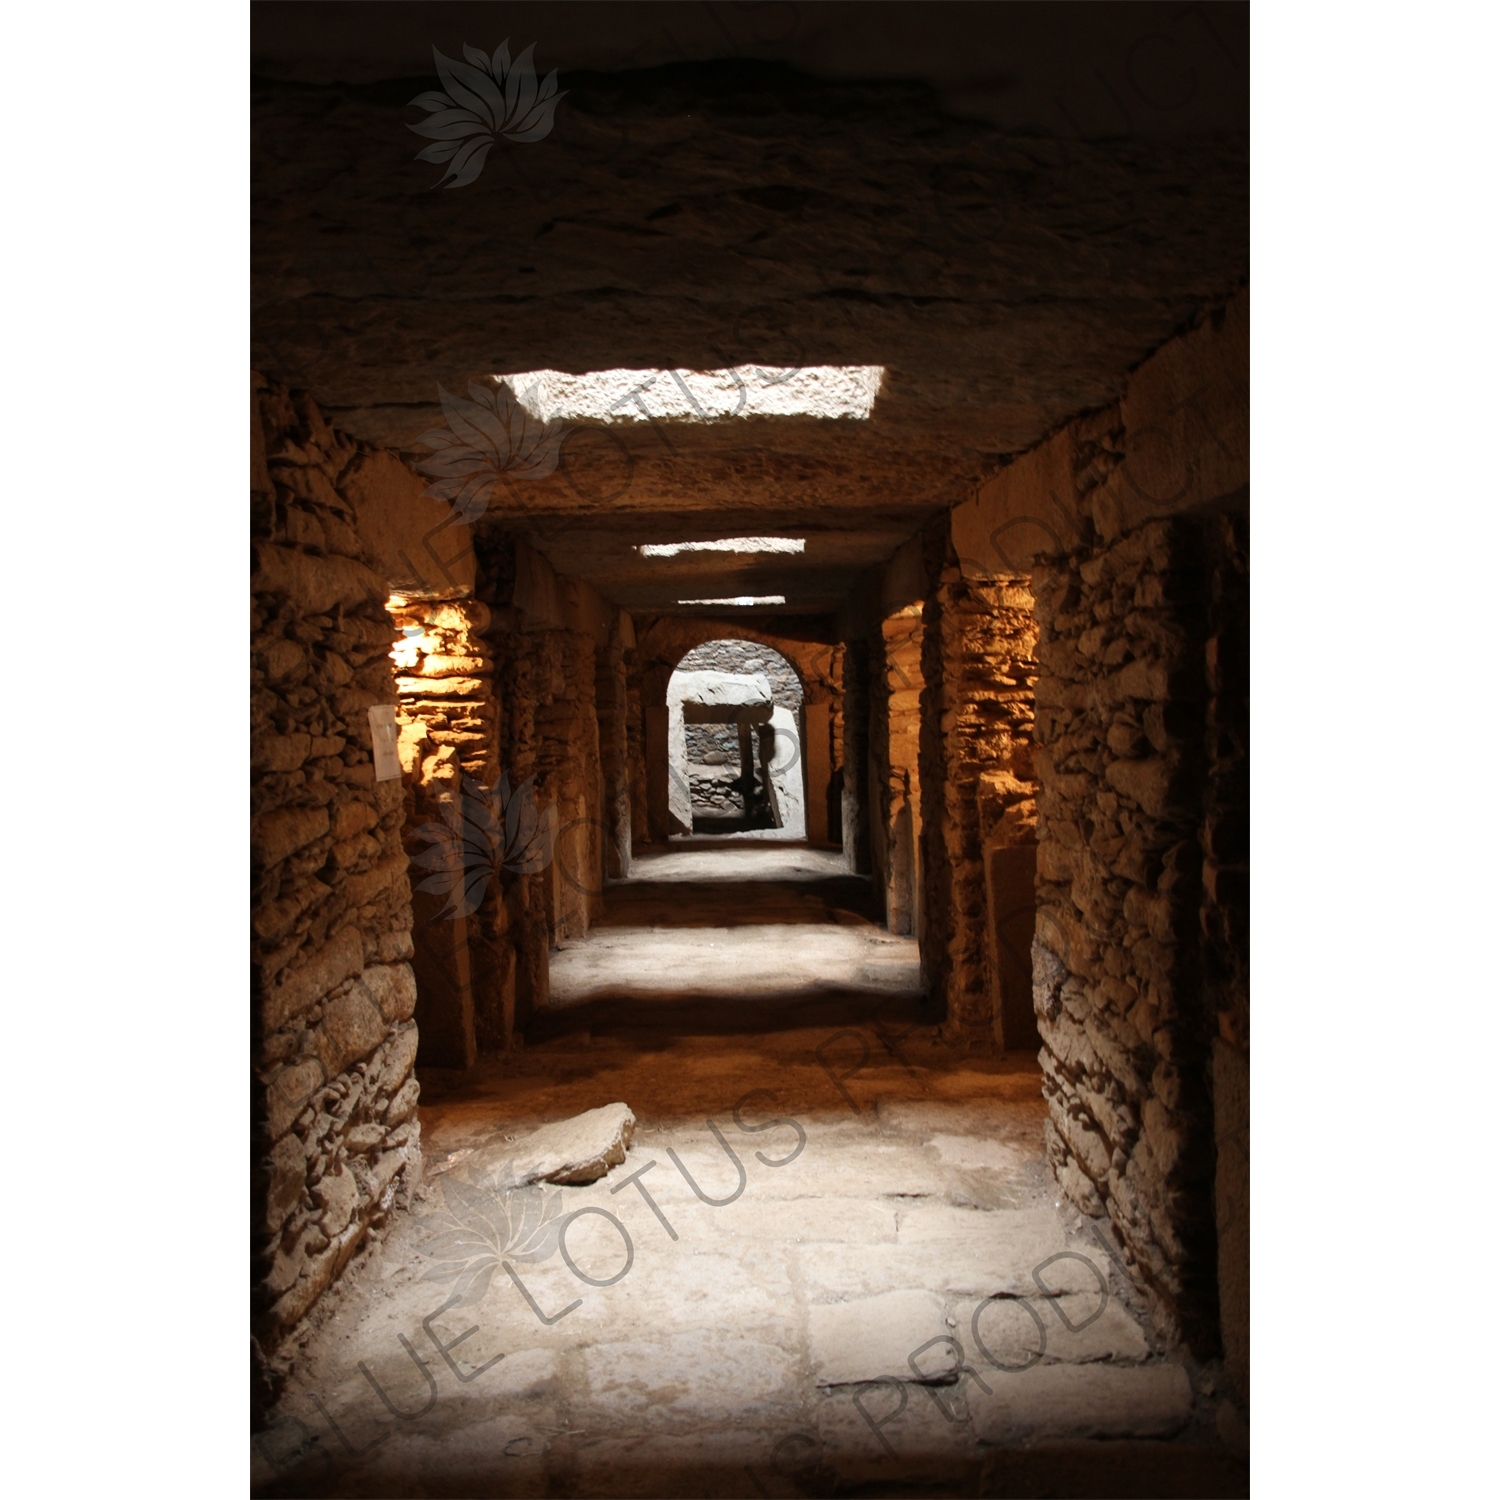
(741,600)
(727,544)
(826,391)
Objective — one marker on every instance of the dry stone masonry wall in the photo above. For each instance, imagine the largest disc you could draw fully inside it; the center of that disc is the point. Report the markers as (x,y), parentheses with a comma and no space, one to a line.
(895,790)
(712,744)
(335,1136)
(978,781)
(449,721)
(1117,955)
(747,656)
(1225,839)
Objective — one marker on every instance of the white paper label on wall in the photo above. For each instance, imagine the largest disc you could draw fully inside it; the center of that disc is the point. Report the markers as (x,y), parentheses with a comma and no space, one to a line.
(383,735)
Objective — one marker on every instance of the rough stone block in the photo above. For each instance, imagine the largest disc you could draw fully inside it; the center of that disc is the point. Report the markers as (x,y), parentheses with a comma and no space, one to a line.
(288,1178)
(279,752)
(399,1055)
(337,1194)
(315,585)
(288,1092)
(404,1104)
(324,970)
(1147,782)
(393,988)
(351,1026)
(276,835)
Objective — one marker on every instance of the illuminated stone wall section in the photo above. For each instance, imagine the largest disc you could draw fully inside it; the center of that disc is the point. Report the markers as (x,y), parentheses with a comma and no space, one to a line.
(978,805)
(1119,983)
(449,721)
(335,1138)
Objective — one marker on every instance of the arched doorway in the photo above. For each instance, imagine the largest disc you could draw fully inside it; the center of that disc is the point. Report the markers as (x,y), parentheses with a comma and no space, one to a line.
(734,742)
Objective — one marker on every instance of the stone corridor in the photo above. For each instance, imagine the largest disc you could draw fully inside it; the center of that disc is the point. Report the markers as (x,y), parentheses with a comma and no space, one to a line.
(868,1279)
(749,654)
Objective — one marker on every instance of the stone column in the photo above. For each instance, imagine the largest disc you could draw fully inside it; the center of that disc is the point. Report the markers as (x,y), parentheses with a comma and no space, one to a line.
(816,781)
(747,765)
(449,718)
(657,726)
(610,695)
(977,709)
(895,794)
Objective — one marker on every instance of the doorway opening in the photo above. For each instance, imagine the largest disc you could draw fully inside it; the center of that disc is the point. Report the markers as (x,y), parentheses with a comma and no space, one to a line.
(734,742)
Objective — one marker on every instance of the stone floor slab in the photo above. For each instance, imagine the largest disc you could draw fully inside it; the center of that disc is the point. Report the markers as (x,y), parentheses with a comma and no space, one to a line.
(1083,1401)
(871,1338)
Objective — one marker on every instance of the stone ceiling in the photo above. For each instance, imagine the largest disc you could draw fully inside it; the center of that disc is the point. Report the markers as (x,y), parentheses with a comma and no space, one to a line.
(903,195)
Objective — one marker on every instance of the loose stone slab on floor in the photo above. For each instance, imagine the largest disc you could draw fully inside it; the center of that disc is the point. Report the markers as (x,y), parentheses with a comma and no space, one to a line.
(1082,1401)
(578,1150)
(871,1338)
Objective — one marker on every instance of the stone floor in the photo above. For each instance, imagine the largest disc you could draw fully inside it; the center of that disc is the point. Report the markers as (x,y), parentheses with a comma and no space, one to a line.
(832,1262)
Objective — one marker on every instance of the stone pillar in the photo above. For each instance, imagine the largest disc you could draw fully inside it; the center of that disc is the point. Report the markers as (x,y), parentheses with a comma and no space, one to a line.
(765,750)
(1010,893)
(747,765)
(445,992)
(979,677)
(449,718)
(816,779)
(895,795)
(610,695)
(658,770)
(854,818)
(635,747)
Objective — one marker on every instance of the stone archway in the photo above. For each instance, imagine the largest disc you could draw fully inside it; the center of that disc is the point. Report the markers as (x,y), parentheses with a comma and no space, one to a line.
(735,740)
(816,663)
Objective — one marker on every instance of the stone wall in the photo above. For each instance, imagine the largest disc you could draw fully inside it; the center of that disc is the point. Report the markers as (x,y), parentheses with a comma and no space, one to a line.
(612,705)
(894,770)
(1225,839)
(978,790)
(635,744)
(712,744)
(854,787)
(715,789)
(1118,950)
(335,1138)
(449,718)
(1129,1085)
(748,656)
